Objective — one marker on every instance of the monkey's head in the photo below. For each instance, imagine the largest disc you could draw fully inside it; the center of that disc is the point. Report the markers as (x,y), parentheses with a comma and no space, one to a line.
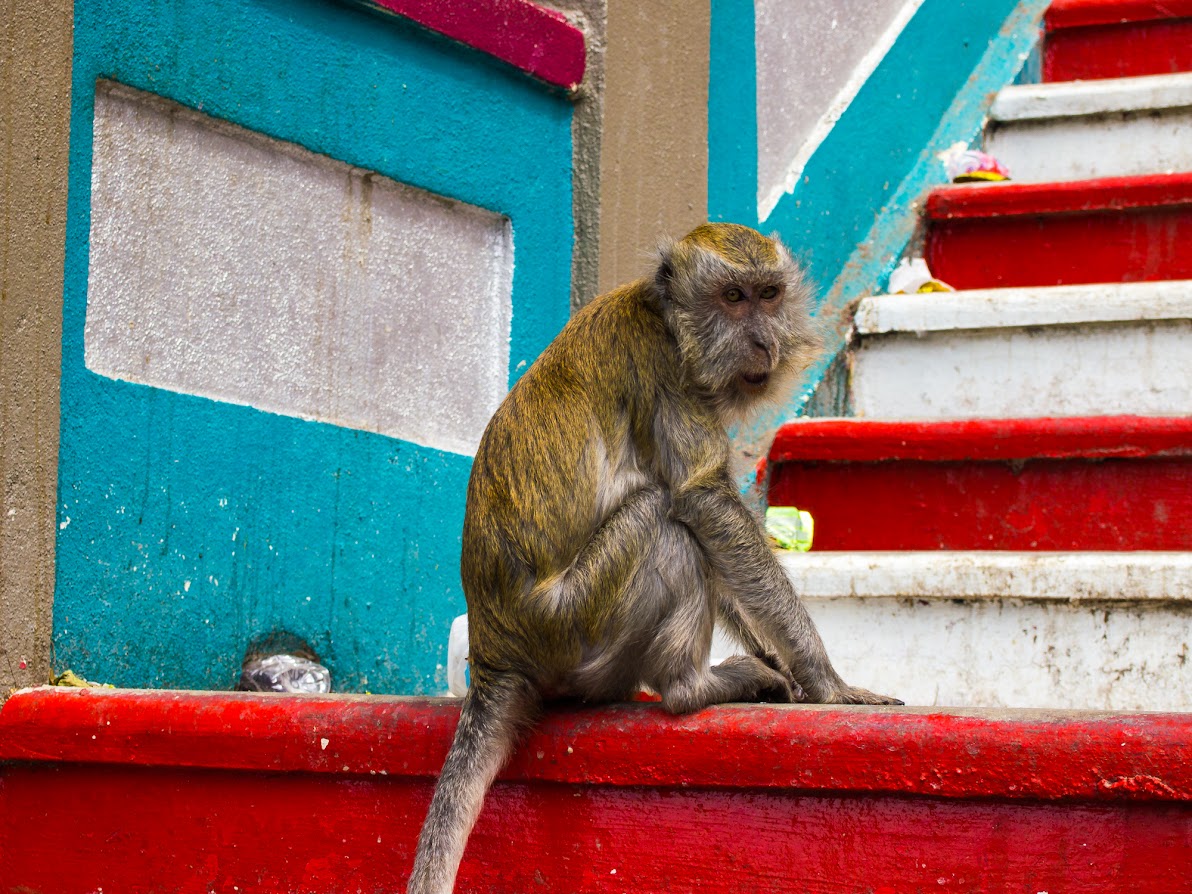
(738,307)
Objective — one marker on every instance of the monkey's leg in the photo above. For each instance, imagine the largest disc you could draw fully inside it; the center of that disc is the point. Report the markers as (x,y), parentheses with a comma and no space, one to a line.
(610,558)
(729,614)
(495,711)
(750,574)
(675,576)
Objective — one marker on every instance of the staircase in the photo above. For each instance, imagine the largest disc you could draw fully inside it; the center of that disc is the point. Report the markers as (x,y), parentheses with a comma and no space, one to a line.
(1006,517)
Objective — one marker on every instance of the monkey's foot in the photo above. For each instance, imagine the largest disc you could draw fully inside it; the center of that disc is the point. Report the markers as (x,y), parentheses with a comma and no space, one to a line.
(855,695)
(744,678)
(775,662)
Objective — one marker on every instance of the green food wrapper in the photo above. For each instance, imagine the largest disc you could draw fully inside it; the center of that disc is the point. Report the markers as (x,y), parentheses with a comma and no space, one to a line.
(792,528)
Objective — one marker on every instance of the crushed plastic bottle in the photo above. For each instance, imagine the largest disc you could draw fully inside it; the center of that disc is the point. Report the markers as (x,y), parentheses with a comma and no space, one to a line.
(791,528)
(284,673)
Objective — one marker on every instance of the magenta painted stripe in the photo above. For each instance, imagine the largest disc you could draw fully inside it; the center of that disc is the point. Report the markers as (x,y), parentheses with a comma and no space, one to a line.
(537,40)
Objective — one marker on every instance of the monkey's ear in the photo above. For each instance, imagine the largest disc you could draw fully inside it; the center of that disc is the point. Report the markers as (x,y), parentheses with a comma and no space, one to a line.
(665,274)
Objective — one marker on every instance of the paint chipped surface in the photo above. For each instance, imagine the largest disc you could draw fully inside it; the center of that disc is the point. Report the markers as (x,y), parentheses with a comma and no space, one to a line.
(1103,631)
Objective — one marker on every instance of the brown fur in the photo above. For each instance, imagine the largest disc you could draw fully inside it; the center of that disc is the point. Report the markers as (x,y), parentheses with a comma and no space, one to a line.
(603,534)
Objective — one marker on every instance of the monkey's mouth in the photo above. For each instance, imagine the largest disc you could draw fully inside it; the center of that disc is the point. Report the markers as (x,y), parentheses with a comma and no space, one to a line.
(755,379)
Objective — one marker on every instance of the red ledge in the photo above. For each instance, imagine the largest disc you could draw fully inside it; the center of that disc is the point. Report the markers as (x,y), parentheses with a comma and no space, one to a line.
(1082,13)
(949,754)
(1077,196)
(537,40)
(948,440)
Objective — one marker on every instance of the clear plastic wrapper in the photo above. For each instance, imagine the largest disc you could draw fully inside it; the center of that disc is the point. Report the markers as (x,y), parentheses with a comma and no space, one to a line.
(284,673)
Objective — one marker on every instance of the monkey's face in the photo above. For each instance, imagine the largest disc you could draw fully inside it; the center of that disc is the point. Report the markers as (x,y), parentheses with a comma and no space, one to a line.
(738,307)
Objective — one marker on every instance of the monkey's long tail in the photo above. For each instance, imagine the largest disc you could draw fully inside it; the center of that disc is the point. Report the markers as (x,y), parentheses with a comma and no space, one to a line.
(496,710)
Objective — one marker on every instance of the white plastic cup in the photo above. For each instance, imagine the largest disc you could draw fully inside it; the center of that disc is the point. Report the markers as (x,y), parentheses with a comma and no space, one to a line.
(458,678)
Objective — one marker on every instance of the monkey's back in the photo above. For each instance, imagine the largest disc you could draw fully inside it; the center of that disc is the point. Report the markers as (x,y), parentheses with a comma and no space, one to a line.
(569,440)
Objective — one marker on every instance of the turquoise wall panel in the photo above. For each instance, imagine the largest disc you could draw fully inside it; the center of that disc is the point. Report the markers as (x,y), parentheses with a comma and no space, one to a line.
(189,526)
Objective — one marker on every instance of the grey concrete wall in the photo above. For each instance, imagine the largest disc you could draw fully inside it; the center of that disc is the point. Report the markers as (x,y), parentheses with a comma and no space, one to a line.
(654,154)
(35,53)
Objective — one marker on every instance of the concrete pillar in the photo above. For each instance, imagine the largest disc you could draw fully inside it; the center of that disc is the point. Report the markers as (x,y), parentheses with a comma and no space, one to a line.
(654,154)
(35,65)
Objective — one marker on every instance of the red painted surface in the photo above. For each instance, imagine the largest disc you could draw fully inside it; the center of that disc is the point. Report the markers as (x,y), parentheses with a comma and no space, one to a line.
(1026,234)
(1118,51)
(1090,39)
(1081,13)
(137,791)
(1064,437)
(1107,483)
(537,40)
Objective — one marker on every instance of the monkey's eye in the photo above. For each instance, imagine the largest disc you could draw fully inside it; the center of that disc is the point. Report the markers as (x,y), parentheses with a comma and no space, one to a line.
(769,293)
(733,295)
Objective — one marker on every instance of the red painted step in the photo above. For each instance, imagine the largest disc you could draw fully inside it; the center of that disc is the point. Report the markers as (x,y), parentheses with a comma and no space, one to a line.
(194,792)
(1097,483)
(1115,229)
(1091,39)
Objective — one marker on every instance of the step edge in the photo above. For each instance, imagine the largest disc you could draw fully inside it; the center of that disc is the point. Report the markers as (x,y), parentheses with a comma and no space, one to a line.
(1063,15)
(1025,753)
(982,439)
(1112,194)
(1030,306)
(1143,578)
(1079,99)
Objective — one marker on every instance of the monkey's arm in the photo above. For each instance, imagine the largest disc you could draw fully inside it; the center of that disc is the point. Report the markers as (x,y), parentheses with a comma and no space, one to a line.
(708,504)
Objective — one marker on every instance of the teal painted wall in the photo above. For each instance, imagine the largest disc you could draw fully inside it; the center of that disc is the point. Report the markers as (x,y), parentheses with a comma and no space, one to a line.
(852,214)
(346,538)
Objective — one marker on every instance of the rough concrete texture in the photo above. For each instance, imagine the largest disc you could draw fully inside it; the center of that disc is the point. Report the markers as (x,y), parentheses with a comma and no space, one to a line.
(1117,144)
(231,266)
(1103,368)
(1104,631)
(35,48)
(812,58)
(587,132)
(654,159)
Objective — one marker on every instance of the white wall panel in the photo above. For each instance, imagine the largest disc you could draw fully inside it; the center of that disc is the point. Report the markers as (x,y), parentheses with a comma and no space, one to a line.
(236,267)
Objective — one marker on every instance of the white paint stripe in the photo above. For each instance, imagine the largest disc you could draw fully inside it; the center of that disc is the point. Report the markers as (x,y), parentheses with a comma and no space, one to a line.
(840,103)
(1038,306)
(1030,102)
(1152,577)
(235,267)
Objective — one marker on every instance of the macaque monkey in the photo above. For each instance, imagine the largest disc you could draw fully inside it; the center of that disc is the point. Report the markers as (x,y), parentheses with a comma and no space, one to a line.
(604,533)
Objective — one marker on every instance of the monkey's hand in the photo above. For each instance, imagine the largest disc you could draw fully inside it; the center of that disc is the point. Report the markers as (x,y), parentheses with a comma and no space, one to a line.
(855,695)
(766,684)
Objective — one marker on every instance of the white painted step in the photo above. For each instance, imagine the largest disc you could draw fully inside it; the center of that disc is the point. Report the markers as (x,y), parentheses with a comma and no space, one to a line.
(1043,351)
(1085,129)
(1101,631)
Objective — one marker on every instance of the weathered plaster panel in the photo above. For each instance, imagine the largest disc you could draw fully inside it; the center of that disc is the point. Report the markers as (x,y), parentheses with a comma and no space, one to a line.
(1105,631)
(812,58)
(231,266)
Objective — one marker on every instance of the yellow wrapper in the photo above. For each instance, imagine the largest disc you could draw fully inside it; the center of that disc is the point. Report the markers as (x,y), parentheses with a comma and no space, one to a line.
(791,528)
